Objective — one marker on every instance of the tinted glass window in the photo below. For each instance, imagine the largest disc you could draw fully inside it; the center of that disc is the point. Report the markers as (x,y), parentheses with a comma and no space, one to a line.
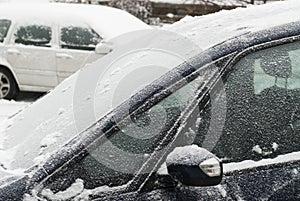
(80,38)
(114,160)
(263,107)
(4,26)
(37,35)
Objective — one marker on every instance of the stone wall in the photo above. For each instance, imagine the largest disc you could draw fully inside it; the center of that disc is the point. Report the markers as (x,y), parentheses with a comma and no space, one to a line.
(170,13)
(173,12)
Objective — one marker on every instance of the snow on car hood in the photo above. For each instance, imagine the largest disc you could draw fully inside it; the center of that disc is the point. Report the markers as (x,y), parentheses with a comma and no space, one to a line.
(137,60)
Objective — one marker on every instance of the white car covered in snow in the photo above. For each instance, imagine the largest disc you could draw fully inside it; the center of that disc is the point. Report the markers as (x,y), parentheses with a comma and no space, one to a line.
(43,43)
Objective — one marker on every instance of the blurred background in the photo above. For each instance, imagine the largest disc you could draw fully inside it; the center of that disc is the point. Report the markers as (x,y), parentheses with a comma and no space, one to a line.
(157,12)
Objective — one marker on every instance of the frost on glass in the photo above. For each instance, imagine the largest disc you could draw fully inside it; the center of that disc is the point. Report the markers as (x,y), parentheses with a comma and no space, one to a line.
(263,107)
(4,26)
(37,35)
(82,38)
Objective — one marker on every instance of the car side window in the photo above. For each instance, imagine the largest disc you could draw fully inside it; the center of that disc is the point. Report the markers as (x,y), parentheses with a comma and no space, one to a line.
(80,38)
(4,27)
(114,159)
(263,107)
(36,35)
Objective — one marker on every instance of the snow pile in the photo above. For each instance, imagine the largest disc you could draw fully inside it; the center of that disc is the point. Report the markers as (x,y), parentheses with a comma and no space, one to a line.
(188,155)
(257,149)
(74,190)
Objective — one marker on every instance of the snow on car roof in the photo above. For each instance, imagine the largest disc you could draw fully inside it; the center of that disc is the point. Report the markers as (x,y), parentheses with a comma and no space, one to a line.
(108,22)
(49,123)
(209,30)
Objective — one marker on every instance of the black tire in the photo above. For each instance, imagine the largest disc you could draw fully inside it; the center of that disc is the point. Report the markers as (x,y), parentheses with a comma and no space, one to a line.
(8,86)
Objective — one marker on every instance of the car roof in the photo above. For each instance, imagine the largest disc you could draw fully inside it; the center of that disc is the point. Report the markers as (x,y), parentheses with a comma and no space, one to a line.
(209,30)
(56,114)
(107,21)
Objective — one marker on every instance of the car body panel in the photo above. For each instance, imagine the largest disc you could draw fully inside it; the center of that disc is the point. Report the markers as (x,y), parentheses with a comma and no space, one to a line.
(33,65)
(4,62)
(70,61)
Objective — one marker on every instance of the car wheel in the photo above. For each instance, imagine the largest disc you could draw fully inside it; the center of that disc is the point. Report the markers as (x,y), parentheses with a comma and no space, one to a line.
(8,86)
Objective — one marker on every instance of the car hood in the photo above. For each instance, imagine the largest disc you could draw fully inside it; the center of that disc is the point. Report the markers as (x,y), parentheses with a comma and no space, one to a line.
(10,176)
(138,59)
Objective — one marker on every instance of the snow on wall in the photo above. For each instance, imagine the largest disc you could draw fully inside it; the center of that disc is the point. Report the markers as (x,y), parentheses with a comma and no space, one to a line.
(217,2)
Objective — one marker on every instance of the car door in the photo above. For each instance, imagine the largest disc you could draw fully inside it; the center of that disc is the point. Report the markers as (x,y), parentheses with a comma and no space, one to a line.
(32,55)
(259,138)
(77,48)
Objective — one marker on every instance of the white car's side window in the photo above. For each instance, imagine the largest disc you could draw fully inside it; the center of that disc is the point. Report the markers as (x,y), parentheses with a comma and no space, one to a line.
(34,34)
(4,27)
(78,37)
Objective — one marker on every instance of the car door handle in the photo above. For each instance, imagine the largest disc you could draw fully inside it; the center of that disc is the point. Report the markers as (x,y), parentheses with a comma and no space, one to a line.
(13,51)
(63,56)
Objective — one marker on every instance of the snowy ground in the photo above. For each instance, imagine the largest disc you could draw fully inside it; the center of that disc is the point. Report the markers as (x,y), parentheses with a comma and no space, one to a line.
(8,109)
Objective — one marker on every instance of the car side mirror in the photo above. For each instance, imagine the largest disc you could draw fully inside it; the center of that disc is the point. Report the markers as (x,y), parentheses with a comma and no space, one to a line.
(194,166)
(103,48)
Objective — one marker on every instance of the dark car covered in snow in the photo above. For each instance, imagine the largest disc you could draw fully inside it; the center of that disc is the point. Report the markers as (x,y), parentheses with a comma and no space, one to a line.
(224,124)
